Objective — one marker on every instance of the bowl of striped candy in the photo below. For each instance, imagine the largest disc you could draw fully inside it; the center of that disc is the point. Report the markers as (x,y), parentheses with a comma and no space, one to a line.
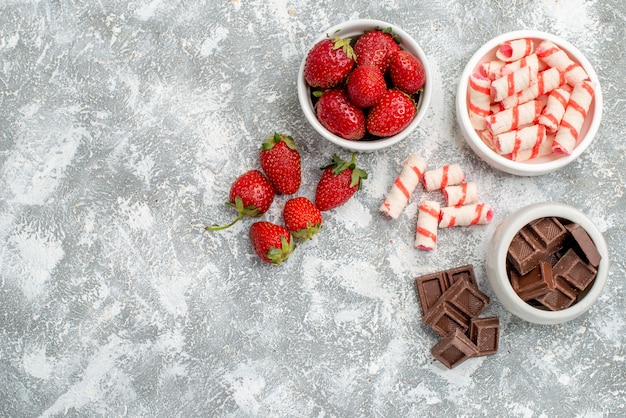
(529,103)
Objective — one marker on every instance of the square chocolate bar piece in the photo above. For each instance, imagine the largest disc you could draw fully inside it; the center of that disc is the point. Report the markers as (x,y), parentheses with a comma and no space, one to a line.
(534,242)
(485,334)
(466,298)
(444,318)
(563,296)
(575,270)
(454,349)
(429,288)
(533,284)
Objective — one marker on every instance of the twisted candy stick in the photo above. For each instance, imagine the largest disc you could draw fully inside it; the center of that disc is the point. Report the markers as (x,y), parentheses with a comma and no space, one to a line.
(427,223)
(540,149)
(547,81)
(511,119)
(477,213)
(513,82)
(495,69)
(554,110)
(514,141)
(479,100)
(574,117)
(515,49)
(404,185)
(443,176)
(461,194)
(555,57)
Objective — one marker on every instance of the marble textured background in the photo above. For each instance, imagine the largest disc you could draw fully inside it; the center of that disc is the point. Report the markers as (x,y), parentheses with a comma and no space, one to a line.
(122,125)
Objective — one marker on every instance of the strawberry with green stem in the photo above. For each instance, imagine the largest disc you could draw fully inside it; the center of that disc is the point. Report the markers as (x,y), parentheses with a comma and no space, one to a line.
(339,181)
(271,242)
(251,194)
(329,62)
(280,160)
(302,218)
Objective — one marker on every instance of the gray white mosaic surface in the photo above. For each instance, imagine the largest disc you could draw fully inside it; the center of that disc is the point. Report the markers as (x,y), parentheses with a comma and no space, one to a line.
(122,125)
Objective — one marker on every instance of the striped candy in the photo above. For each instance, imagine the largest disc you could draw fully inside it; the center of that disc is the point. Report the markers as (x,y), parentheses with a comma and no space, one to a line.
(461,194)
(474,214)
(547,81)
(515,49)
(514,141)
(515,117)
(479,100)
(574,117)
(513,82)
(555,109)
(443,176)
(427,225)
(555,57)
(404,185)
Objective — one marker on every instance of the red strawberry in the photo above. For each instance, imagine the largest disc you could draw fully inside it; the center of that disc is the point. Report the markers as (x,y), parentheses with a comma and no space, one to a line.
(271,242)
(280,160)
(407,72)
(329,62)
(392,114)
(339,181)
(251,195)
(376,48)
(302,218)
(366,86)
(339,116)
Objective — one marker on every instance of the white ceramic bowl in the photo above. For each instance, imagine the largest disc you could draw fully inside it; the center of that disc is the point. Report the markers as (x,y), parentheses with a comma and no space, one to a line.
(496,263)
(353,29)
(540,165)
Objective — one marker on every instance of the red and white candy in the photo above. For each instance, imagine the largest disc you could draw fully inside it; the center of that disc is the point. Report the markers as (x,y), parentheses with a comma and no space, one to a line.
(539,99)
(555,57)
(515,117)
(444,176)
(427,225)
(479,100)
(515,49)
(474,214)
(555,109)
(404,185)
(461,194)
(574,117)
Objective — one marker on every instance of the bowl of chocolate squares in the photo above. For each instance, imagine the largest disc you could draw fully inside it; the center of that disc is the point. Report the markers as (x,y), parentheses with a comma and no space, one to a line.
(547,263)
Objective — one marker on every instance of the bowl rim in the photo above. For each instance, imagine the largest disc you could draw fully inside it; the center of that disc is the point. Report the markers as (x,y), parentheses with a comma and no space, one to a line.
(499,248)
(351,28)
(499,161)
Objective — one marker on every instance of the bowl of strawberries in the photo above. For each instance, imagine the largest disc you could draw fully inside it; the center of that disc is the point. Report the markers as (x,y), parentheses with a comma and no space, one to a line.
(364,85)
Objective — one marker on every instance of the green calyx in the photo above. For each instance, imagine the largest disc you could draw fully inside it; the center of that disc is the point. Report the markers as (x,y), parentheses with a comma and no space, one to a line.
(344,44)
(272,140)
(242,210)
(278,255)
(307,233)
(339,166)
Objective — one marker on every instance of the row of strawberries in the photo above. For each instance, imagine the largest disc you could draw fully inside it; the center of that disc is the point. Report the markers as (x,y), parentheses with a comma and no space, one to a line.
(253,192)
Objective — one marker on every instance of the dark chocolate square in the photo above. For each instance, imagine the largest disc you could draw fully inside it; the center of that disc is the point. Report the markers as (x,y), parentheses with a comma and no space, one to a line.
(485,334)
(454,349)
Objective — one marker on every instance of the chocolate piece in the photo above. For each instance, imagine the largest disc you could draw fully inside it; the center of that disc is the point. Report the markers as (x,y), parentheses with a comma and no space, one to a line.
(444,318)
(466,298)
(485,334)
(585,244)
(459,273)
(575,270)
(534,242)
(454,349)
(533,284)
(429,288)
(563,296)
